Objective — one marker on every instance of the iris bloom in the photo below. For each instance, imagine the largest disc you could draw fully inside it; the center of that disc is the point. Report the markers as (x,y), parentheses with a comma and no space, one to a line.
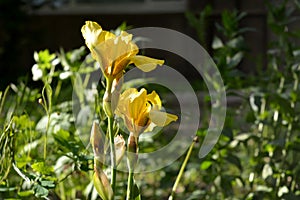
(113,52)
(139,110)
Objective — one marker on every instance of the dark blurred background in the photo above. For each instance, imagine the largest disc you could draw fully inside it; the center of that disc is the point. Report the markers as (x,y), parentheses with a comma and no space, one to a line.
(32,25)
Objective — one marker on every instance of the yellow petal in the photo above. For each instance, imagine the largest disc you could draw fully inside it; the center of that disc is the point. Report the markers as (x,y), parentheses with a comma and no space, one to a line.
(154,99)
(125,49)
(145,63)
(90,32)
(90,28)
(137,104)
(161,118)
(122,108)
(105,35)
(128,94)
(126,36)
(115,53)
(94,36)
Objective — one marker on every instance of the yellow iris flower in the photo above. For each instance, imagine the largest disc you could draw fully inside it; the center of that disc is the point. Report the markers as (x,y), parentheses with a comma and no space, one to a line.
(139,109)
(113,52)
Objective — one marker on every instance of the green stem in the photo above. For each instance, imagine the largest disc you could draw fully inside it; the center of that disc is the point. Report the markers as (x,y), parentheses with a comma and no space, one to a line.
(109,113)
(46,137)
(132,149)
(57,89)
(47,105)
(187,157)
(112,152)
(2,98)
(130,185)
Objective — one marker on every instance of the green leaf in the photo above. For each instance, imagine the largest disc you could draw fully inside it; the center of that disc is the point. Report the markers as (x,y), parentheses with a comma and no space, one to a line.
(263,188)
(62,136)
(26,193)
(205,165)
(22,161)
(235,60)
(136,192)
(78,88)
(236,43)
(226,184)
(7,189)
(48,184)
(24,122)
(282,190)
(267,171)
(234,160)
(243,136)
(40,191)
(67,143)
(42,168)
(217,43)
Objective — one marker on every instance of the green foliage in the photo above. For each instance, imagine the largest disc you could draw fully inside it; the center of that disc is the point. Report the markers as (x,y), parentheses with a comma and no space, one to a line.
(228,45)
(27,131)
(256,156)
(199,23)
(230,48)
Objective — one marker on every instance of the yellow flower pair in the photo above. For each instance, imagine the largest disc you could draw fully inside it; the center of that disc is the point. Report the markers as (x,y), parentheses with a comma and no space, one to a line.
(114,53)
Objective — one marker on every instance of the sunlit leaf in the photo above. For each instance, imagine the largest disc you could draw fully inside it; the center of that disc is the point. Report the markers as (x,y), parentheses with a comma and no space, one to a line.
(42,168)
(205,165)
(26,193)
(48,184)
(217,43)
(267,171)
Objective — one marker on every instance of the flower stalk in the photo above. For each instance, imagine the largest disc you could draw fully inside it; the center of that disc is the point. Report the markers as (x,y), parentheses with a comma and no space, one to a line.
(107,106)
(112,153)
(132,156)
(178,178)
(130,185)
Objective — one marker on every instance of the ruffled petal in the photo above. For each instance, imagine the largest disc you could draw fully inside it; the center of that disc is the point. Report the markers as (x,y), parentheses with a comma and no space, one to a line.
(145,63)
(90,32)
(154,99)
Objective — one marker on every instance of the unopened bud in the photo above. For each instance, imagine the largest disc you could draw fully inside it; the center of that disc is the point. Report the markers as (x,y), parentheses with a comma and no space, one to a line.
(120,148)
(107,104)
(102,184)
(97,140)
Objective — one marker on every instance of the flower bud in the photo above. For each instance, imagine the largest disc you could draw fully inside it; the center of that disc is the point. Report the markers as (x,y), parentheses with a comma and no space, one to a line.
(102,184)
(97,140)
(120,148)
(107,104)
